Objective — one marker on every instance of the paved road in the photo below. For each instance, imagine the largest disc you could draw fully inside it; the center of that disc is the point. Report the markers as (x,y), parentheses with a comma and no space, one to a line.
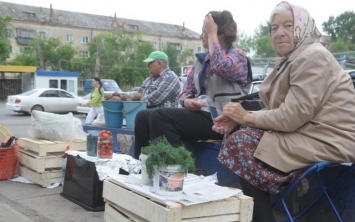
(30,202)
(19,124)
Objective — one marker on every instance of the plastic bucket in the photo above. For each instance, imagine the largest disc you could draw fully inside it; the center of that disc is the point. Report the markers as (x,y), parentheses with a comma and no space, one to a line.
(168,181)
(113,113)
(130,110)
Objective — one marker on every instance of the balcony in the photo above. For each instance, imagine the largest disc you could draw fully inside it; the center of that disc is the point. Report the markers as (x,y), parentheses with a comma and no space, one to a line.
(23,40)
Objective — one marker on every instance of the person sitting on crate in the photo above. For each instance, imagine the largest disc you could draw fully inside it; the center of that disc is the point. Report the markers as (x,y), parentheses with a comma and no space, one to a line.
(221,73)
(309,115)
(162,87)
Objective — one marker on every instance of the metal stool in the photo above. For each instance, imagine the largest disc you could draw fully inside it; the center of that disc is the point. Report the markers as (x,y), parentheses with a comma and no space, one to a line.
(315,170)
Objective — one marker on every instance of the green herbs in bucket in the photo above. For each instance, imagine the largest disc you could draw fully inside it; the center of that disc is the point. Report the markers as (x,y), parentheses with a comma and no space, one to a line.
(161,154)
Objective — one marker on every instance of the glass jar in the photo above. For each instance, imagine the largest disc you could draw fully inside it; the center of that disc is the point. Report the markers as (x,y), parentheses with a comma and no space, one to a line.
(91,142)
(105,145)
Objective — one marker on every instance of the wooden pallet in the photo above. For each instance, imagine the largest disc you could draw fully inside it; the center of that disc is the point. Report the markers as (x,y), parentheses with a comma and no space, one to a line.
(43,147)
(44,179)
(130,206)
(40,164)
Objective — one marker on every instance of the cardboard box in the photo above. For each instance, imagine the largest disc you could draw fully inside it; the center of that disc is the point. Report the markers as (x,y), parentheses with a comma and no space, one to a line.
(129,206)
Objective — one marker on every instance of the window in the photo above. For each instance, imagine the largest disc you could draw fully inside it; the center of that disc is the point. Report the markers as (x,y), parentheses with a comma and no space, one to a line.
(53,83)
(24,50)
(42,35)
(63,84)
(84,54)
(64,94)
(49,93)
(163,45)
(69,38)
(25,33)
(154,44)
(198,49)
(10,33)
(84,39)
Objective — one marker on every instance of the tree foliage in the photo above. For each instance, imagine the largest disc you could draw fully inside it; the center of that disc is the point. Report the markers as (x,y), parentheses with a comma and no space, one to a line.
(47,54)
(173,55)
(5,45)
(341,27)
(119,55)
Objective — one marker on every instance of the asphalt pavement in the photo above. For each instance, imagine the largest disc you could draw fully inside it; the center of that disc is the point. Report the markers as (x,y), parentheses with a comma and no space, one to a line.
(21,202)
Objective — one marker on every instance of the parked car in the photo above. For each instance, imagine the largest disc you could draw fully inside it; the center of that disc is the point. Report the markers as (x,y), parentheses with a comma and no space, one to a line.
(352,75)
(81,108)
(254,87)
(43,99)
(107,85)
(132,90)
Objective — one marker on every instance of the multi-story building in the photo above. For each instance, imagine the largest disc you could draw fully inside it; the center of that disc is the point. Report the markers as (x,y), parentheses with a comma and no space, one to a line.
(29,22)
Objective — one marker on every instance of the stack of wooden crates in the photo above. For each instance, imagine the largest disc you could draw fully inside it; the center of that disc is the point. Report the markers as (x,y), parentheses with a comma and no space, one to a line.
(40,161)
(125,205)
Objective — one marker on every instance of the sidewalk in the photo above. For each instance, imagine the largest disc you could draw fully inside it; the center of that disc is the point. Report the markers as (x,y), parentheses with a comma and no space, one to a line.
(32,203)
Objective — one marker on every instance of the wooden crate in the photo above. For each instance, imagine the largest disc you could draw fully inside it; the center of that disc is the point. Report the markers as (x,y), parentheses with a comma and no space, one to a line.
(43,147)
(40,164)
(44,179)
(129,206)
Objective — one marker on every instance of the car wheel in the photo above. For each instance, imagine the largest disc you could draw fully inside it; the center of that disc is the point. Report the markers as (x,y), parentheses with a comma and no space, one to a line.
(37,107)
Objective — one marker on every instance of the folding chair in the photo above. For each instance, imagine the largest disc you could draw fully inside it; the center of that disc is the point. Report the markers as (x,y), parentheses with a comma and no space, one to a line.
(315,170)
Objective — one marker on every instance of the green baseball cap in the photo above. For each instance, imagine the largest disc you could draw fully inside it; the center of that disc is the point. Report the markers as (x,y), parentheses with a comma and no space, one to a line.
(156,55)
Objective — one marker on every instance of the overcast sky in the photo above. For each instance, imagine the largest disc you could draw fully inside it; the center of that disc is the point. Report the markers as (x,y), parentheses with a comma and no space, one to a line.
(249,14)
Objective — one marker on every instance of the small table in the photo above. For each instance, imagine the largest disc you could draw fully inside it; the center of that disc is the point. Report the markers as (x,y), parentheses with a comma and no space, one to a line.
(115,132)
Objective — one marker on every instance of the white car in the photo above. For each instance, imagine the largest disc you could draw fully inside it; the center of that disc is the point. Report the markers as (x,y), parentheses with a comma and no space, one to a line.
(82,108)
(43,99)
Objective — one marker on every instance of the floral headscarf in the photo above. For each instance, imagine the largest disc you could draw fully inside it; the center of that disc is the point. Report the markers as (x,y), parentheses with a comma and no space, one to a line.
(305,30)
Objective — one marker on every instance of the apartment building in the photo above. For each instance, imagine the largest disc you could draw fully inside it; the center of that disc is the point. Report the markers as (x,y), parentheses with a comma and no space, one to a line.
(29,22)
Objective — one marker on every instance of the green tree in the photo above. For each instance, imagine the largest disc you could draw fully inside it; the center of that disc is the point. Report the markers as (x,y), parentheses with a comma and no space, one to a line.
(245,43)
(5,45)
(119,55)
(262,42)
(338,46)
(186,57)
(341,27)
(173,55)
(47,54)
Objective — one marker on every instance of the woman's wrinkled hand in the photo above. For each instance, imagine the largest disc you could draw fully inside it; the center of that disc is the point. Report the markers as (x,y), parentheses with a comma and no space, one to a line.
(223,124)
(194,104)
(235,111)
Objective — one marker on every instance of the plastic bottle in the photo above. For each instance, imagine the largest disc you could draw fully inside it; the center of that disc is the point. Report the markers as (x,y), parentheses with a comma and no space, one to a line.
(64,163)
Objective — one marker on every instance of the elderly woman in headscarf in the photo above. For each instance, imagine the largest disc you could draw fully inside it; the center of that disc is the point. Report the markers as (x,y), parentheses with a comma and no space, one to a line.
(309,115)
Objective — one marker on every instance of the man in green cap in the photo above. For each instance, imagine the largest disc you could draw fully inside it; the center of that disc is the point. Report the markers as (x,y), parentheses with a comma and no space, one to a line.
(162,87)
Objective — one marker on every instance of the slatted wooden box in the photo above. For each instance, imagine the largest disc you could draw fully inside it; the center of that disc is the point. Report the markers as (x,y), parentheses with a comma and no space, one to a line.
(43,147)
(125,205)
(41,160)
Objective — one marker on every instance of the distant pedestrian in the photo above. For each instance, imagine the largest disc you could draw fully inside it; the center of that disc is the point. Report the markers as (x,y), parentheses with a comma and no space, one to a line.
(95,103)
